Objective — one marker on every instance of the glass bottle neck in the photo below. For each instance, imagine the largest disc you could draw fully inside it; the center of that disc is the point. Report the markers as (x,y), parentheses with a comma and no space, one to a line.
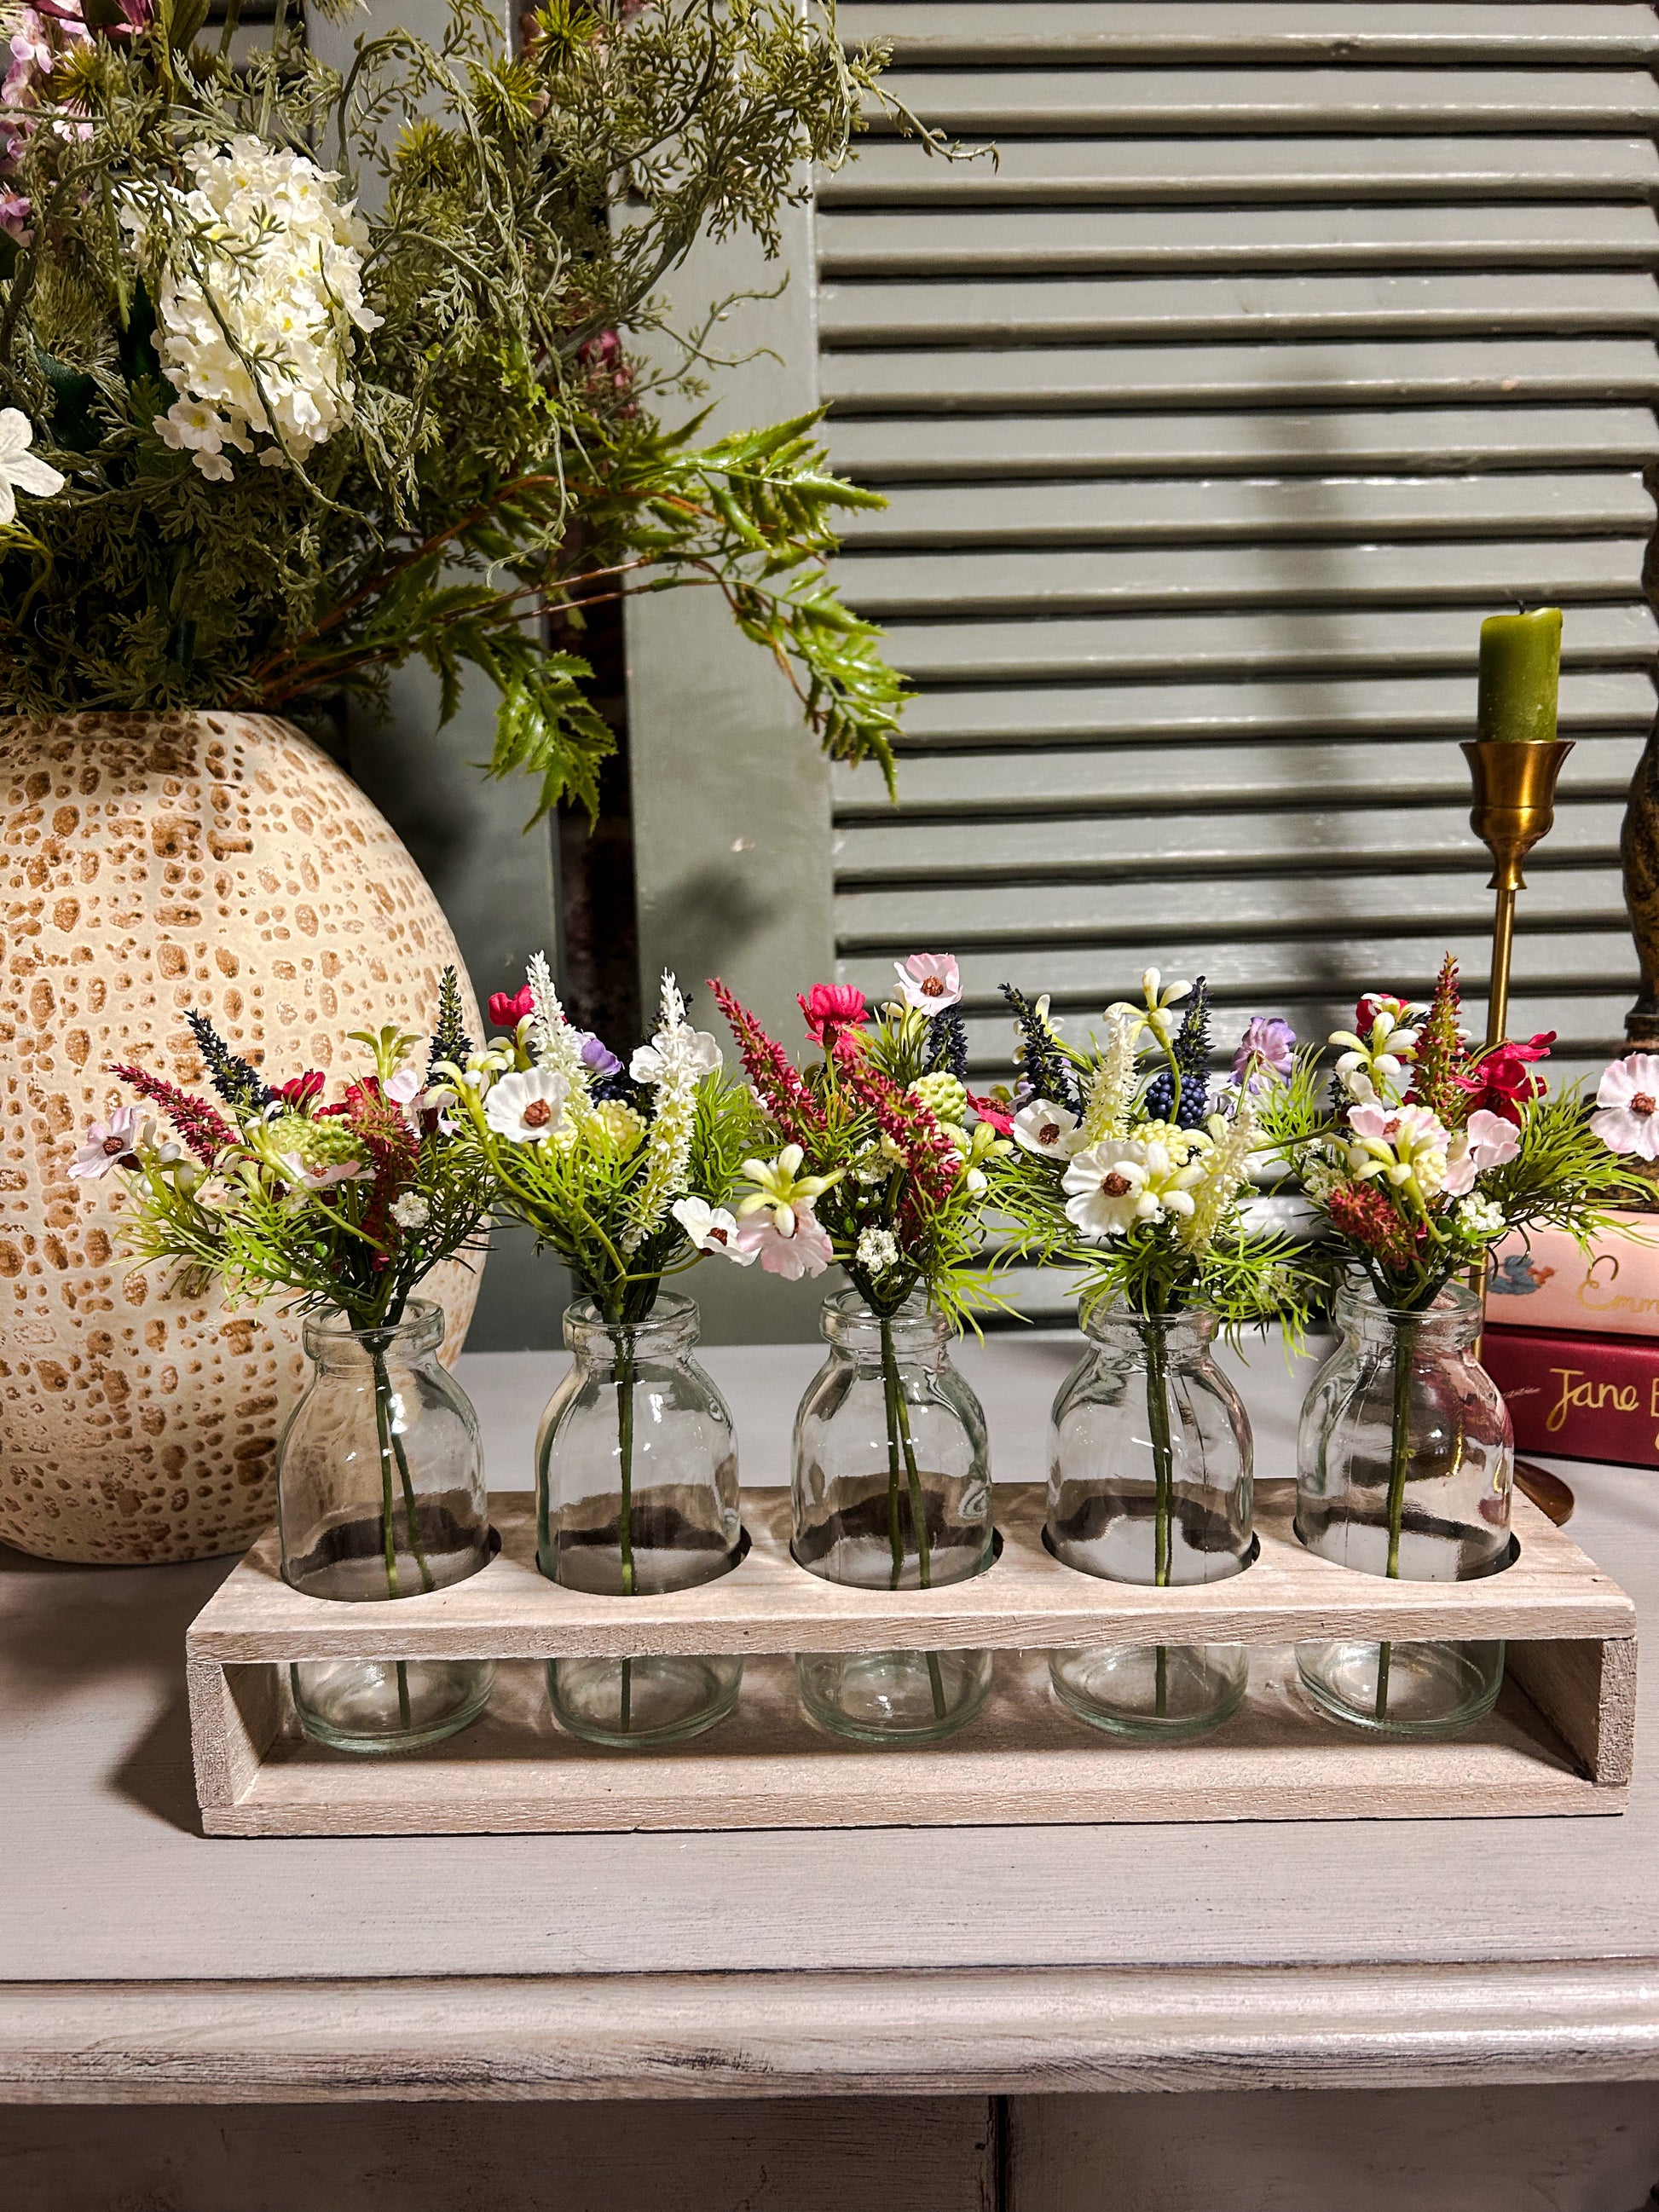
(1183,1339)
(339,1347)
(1450,1325)
(670,1331)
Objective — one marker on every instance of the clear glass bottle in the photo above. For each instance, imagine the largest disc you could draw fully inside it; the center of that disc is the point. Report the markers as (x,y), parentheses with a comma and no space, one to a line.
(1149,1481)
(1405,1458)
(636,1491)
(381,1496)
(892,1491)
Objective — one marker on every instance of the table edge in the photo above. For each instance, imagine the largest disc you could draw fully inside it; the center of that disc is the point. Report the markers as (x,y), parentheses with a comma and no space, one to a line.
(981,2031)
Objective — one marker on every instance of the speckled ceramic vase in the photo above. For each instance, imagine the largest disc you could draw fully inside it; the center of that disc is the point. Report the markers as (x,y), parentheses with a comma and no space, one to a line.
(151,864)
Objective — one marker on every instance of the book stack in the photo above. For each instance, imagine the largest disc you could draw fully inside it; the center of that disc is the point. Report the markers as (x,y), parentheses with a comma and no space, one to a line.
(1572,1342)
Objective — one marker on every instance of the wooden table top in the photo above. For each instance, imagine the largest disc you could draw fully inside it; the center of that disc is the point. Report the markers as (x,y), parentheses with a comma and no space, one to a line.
(139,1959)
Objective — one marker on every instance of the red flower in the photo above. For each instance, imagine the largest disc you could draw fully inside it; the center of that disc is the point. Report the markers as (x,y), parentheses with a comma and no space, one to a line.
(989,1111)
(508,1009)
(1375,1003)
(830,1008)
(1503,1081)
(300,1091)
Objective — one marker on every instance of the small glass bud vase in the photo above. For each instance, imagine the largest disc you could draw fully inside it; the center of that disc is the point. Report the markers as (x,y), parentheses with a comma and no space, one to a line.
(381,1496)
(1150,1482)
(1405,1458)
(636,1492)
(892,1491)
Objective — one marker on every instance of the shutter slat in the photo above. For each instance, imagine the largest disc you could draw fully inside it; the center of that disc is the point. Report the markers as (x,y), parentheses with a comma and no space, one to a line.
(1064,648)
(1249,711)
(1256,510)
(1224,102)
(1319,838)
(1329,374)
(1136,779)
(1227,575)
(947,447)
(1034,311)
(927,243)
(1147,171)
(1217,33)
(886,924)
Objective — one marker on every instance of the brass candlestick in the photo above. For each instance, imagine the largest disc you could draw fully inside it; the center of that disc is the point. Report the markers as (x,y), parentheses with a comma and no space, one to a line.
(1514,807)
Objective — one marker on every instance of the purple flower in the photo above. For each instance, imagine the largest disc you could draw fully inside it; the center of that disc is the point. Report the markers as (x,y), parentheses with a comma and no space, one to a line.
(1269,1042)
(598,1056)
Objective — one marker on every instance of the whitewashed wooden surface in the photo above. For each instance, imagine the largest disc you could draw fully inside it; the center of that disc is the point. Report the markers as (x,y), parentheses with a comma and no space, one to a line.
(106,1880)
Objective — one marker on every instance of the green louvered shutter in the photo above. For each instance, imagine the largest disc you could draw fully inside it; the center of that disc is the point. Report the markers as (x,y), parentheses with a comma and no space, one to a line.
(1279,344)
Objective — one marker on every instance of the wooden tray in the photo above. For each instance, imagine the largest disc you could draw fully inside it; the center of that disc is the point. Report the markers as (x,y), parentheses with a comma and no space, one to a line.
(1560,1739)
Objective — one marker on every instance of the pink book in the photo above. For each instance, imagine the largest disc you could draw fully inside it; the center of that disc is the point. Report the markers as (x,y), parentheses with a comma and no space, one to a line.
(1543,1280)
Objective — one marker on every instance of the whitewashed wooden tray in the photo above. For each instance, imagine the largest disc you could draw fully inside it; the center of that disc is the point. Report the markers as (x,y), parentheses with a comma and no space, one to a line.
(1559,1741)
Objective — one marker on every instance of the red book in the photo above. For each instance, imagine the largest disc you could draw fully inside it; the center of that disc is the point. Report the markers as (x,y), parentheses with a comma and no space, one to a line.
(1578,1397)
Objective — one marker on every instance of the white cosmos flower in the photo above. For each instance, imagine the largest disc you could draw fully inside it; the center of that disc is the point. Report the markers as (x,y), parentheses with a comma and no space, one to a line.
(21,469)
(1122,1180)
(1106,1188)
(710,1228)
(691,1052)
(526,1106)
(1051,1132)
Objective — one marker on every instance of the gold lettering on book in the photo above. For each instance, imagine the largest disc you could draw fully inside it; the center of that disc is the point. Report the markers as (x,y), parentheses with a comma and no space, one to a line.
(1580,1394)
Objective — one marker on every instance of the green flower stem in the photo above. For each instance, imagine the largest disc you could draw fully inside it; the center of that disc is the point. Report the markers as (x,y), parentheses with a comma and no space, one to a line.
(389,1426)
(899,1440)
(382,1424)
(1157,1420)
(625,1517)
(1399,1447)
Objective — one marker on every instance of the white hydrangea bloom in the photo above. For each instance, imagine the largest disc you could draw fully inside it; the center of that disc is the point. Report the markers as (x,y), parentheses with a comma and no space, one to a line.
(261,297)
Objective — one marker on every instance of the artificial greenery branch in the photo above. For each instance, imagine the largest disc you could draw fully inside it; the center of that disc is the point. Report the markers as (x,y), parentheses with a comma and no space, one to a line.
(303,442)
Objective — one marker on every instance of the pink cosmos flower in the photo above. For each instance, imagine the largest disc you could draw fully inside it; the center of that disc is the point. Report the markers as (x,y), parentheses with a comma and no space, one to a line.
(1628,1097)
(1488,1141)
(830,1009)
(803,1250)
(404,1088)
(325,1177)
(1270,1042)
(112,1143)
(929,982)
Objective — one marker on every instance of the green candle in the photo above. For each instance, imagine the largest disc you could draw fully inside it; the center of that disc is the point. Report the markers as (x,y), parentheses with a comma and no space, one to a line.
(1520,676)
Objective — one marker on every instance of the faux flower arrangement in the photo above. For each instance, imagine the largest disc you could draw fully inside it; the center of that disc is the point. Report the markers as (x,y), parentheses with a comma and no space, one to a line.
(887,1166)
(623,1172)
(886,1163)
(1134,1172)
(348,1204)
(1430,1150)
(321,371)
